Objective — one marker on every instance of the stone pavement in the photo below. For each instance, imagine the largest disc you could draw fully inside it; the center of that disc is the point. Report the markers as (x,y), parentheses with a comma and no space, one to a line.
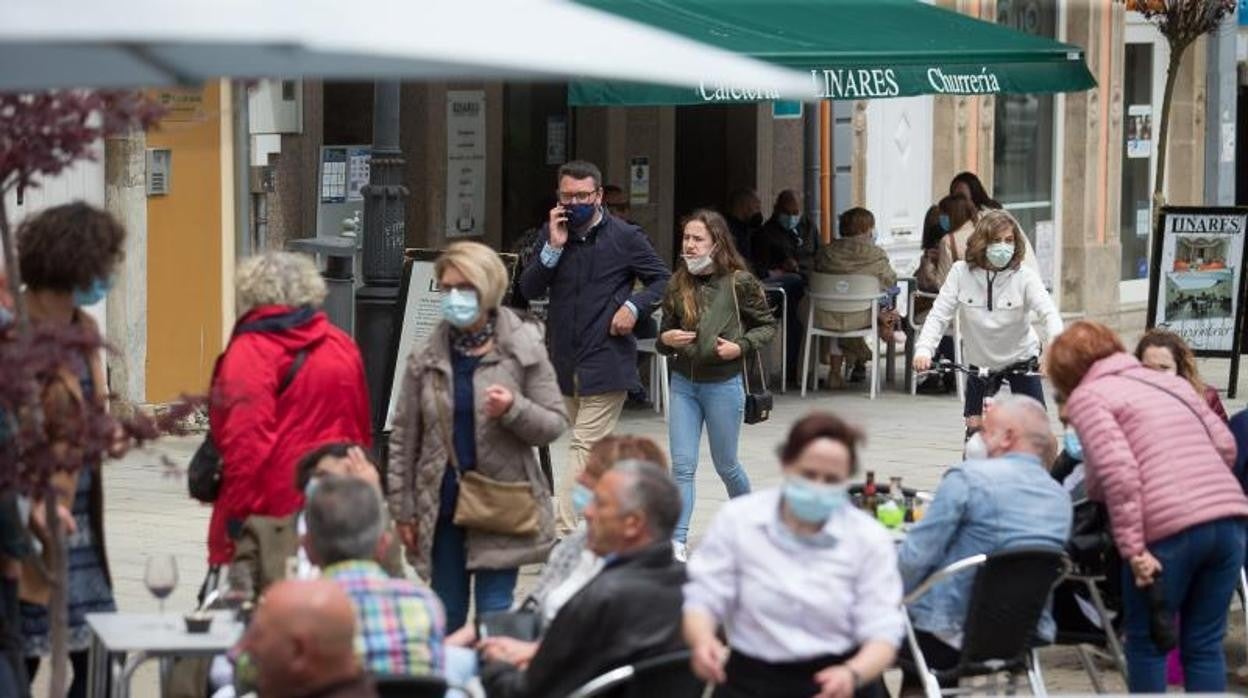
(148,510)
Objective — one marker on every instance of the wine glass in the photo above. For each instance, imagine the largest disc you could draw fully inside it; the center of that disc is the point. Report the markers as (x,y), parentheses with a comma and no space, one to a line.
(161,577)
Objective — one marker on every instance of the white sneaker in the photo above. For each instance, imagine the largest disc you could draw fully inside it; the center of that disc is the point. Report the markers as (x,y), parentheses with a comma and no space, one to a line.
(680,551)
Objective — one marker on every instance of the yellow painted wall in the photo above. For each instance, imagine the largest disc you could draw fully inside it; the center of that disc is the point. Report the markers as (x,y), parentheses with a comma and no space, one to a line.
(185,314)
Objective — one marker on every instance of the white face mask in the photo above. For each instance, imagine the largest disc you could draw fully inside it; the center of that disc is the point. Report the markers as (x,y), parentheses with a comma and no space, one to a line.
(699,265)
(976,448)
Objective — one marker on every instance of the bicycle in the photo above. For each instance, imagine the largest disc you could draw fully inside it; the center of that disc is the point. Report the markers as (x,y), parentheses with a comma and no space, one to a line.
(990,378)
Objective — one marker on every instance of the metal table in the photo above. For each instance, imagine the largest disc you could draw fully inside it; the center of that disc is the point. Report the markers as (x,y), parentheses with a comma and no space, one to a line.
(147,636)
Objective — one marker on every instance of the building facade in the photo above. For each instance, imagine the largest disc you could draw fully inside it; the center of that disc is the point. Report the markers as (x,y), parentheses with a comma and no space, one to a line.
(1076,170)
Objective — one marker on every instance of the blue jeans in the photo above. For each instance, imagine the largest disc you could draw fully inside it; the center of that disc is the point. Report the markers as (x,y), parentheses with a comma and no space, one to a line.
(451,578)
(1200,570)
(721,406)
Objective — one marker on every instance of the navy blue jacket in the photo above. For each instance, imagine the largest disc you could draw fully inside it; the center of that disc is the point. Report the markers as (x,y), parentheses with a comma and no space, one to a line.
(593,278)
(1239,428)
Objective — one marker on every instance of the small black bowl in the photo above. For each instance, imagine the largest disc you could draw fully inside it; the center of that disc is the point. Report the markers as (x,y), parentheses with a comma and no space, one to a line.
(197,622)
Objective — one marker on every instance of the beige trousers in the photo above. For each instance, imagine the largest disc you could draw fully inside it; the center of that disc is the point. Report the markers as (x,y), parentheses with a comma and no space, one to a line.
(592,417)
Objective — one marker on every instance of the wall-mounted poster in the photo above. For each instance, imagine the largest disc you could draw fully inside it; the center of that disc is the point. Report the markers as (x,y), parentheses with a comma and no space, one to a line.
(1139,130)
(465,163)
(1196,287)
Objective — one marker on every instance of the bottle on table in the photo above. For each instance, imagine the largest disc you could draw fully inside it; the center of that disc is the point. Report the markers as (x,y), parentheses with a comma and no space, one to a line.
(869,493)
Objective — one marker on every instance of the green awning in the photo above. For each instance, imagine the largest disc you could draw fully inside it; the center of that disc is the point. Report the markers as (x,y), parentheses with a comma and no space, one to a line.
(853,49)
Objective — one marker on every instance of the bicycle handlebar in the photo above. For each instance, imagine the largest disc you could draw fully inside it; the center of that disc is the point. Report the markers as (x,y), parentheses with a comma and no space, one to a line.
(1027,367)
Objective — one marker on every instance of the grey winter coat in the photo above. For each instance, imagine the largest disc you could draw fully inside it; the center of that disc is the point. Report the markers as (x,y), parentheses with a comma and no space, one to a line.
(419,445)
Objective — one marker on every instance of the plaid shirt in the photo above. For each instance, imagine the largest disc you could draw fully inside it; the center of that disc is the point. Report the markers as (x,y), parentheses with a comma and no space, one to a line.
(400,625)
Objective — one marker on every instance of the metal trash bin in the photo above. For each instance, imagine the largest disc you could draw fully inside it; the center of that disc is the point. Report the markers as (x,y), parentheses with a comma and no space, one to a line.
(336,259)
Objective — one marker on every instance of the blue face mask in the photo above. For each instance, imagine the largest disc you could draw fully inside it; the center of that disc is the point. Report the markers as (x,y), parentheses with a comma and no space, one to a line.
(579,215)
(1000,254)
(812,502)
(310,488)
(6,317)
(790,220)
(1074,448)
(945,224)
(460,307)
(92,294)
(582,496)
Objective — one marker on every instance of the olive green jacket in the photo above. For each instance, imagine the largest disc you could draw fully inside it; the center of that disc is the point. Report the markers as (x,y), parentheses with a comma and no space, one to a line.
(752,328)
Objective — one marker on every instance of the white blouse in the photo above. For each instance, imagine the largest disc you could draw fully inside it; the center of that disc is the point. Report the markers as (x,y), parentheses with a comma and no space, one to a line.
(785,599)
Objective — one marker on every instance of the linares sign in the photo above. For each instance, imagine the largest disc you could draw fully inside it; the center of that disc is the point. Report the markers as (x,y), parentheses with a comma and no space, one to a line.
(861,83)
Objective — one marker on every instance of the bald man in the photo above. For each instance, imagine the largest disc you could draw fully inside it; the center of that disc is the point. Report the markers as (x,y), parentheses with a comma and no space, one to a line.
(302,643)
(1005,501)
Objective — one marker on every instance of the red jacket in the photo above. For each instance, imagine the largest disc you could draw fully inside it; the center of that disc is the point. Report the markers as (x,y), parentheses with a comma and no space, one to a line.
(262,435)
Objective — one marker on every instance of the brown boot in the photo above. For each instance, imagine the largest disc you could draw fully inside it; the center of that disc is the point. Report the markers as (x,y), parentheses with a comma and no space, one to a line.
(836,372)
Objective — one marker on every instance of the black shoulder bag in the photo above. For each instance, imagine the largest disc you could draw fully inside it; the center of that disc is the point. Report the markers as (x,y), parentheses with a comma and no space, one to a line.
(757,404)
(203,475)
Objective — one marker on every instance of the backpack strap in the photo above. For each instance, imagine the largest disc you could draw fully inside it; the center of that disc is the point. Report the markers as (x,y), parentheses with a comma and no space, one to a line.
(300,358)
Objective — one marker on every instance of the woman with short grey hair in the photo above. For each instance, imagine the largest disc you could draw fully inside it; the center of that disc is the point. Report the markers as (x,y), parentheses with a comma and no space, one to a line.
(288,382)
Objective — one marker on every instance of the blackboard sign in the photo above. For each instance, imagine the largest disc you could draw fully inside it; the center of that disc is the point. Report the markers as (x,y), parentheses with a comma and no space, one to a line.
(1196,288)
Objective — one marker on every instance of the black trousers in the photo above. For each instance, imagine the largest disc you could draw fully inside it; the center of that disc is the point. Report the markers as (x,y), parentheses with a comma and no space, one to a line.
(755,678)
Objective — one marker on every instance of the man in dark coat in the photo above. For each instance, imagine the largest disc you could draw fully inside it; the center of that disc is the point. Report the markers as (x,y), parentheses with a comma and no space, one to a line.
(630,611)
(589,266)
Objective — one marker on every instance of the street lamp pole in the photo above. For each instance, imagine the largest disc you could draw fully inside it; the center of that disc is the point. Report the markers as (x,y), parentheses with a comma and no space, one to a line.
(385,205)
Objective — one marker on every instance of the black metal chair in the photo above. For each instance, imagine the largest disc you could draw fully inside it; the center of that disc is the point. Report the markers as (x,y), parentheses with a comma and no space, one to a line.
(411,686)
(1008,595)
(1093,581)
(668,675)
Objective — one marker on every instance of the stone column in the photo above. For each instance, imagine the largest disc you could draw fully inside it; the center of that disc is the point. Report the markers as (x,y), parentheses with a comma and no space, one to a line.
(125,196)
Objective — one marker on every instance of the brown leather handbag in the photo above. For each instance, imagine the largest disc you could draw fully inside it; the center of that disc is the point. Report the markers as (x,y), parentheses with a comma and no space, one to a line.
(489,505)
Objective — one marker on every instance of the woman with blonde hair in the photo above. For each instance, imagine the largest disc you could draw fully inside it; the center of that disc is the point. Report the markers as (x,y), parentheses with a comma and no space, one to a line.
(994,294)
(714,317)
(474,401)
(288,382)
(1165,351)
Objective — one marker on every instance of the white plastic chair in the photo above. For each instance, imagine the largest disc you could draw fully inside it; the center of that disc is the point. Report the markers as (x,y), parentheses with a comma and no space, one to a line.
(837,293)
(951,331)
(784,332)
(660,381)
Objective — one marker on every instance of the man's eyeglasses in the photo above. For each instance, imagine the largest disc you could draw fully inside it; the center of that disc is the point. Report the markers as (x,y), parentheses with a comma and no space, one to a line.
(577,197)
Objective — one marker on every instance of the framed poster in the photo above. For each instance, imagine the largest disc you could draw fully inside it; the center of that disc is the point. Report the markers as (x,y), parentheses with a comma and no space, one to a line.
(420,311)
(1196,286)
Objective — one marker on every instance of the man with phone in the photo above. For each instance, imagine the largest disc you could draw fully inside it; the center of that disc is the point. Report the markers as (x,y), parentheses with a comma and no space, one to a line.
(589,264)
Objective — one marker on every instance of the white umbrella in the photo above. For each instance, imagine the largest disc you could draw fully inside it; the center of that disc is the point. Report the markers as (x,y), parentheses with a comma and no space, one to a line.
(120,43)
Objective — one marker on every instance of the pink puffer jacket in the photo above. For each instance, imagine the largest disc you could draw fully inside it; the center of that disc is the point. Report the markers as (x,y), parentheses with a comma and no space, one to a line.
(1157,456)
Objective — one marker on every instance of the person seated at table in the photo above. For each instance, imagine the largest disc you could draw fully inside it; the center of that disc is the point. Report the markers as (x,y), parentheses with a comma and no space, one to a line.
(855,252)
(782,253)
(572,564)
(629,612)
(400,625)
(302,643)
(805,584)
(1091,545)
(268,543)
(983,506)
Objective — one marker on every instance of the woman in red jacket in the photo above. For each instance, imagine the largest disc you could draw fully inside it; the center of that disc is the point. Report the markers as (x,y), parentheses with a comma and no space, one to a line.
(288,382)
(1161,461)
